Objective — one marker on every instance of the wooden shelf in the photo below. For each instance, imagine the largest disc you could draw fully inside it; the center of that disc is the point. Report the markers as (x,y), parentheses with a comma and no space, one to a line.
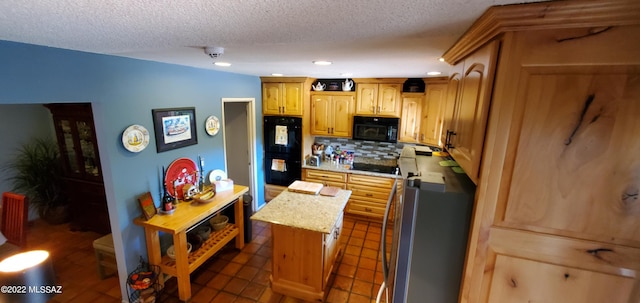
(216,241)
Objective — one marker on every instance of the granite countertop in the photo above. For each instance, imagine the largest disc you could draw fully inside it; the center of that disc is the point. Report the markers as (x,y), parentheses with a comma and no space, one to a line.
(341,169)
(311,212)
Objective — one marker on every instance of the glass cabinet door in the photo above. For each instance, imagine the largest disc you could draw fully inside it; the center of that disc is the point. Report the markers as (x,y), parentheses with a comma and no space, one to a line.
(88,148)
(68,147)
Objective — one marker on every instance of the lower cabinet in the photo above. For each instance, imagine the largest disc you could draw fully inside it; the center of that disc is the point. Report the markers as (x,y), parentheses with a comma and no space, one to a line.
(271,191)
(327,178)
(369,195)
(303,260)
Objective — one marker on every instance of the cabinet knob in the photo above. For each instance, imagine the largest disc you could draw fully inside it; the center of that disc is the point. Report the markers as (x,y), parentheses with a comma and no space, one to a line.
(379,109)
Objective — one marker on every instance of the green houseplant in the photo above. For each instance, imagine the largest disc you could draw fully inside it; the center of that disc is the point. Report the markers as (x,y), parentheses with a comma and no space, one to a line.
(36,172)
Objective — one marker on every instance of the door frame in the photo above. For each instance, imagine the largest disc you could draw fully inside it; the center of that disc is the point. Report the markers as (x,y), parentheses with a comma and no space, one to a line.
(251,128)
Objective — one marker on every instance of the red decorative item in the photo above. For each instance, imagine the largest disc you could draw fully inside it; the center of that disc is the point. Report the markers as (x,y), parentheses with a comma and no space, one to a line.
(180,172)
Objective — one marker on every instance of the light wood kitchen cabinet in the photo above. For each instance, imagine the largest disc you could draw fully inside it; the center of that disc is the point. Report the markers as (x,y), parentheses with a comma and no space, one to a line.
(271,191)
(283,98)
(557,211)
(411,117)
(332,114)
(378,99)
(431,114)
(471,109)
(369,195)
(327,178)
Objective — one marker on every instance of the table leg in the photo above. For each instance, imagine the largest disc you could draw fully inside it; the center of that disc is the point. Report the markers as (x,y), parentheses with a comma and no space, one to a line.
(239,219)
(153,250)
(182,266)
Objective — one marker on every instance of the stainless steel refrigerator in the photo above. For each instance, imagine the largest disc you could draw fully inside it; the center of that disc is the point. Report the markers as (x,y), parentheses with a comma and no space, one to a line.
(430,229)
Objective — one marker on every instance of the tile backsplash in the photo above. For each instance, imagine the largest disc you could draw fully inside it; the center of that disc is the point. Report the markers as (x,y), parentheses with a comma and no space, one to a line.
(365,150)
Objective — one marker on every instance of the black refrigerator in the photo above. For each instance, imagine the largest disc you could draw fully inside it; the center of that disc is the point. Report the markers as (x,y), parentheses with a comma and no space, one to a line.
(282,149)
(430,232)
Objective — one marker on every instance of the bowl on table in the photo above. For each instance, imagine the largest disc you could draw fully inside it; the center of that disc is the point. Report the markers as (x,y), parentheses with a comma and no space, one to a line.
(219,222)
(171,251)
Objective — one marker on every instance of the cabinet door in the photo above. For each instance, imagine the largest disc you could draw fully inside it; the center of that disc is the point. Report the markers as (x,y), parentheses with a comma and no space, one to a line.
(410,120)
(389,99)
(431,114)
(472,109)
(320,110)
(331,249)
(560,209)
(292,99)
(271,98)
(366,99)
(342,116)
(453,90)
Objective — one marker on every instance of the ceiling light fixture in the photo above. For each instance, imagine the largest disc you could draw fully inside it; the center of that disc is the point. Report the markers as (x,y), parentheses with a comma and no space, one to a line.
(441,59)
(321,62)
(346,74)
(277,75)
(433,73)
(225,64)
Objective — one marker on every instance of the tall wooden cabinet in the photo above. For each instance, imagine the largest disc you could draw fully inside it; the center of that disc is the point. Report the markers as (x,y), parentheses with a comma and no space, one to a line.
(412,104)
(466,130)
(332,114)
(558,214)
(78,146)
(431,114)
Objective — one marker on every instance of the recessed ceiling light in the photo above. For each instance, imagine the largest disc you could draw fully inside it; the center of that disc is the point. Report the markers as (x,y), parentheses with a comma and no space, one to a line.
(321,62)
(441,59)
(225,64)
(433,73)
(277,75)
(346,74)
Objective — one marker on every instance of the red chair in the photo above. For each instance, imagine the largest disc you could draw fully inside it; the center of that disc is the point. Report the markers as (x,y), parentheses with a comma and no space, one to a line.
(15,212)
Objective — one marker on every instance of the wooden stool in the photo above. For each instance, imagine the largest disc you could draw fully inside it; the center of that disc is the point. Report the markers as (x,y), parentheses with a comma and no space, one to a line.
(105,255)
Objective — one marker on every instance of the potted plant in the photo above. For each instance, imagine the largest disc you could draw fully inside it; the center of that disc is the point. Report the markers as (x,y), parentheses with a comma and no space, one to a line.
(36,172)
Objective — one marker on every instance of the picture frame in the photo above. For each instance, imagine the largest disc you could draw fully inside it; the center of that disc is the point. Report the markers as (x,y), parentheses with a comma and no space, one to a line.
(148,206)
(174,127)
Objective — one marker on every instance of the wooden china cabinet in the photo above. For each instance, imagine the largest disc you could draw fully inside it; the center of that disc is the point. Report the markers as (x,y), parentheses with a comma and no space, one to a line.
(84,186)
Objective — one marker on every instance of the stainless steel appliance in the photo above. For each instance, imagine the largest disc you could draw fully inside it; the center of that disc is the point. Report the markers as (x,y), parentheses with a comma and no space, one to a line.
(430,232)
(375,129)
(282,149)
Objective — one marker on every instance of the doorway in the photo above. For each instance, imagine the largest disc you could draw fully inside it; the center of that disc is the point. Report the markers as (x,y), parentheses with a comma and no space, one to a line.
(239,136)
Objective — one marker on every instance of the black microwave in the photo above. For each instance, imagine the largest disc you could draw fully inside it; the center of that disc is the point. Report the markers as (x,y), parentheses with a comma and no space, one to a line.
(375,129)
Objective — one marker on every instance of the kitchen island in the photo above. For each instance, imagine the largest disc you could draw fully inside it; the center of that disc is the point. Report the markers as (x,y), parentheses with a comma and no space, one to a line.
(305,241)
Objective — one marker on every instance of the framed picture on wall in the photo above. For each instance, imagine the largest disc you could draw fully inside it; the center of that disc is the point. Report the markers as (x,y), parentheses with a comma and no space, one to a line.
(174,127)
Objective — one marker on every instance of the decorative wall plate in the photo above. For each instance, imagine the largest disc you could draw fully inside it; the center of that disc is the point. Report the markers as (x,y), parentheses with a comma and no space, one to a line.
(180,172)
(135,138)
(212,125)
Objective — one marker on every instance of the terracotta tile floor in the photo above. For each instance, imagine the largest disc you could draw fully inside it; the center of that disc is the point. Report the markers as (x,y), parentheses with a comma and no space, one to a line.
(230,276)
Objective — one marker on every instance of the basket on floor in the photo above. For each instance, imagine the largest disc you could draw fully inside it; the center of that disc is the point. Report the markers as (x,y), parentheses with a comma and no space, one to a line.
(144,276)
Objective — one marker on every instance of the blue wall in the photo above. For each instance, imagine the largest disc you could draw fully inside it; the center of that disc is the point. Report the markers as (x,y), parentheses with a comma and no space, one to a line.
(122,92)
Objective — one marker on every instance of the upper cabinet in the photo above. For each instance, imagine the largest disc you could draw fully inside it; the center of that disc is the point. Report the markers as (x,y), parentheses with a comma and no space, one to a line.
(421,120)
(431,114)
(411,117)
(379,99)
(283,96)
(332,114)
(465,133)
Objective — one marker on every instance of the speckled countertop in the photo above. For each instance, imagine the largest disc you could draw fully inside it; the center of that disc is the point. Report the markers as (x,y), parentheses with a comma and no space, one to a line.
(341,169)
(312,212)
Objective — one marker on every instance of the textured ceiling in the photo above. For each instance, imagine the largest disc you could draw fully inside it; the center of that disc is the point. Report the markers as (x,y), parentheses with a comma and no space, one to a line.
(367,38)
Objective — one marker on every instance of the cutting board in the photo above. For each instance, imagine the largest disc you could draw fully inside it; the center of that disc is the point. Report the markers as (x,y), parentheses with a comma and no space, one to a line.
(305,187)
(329,191)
